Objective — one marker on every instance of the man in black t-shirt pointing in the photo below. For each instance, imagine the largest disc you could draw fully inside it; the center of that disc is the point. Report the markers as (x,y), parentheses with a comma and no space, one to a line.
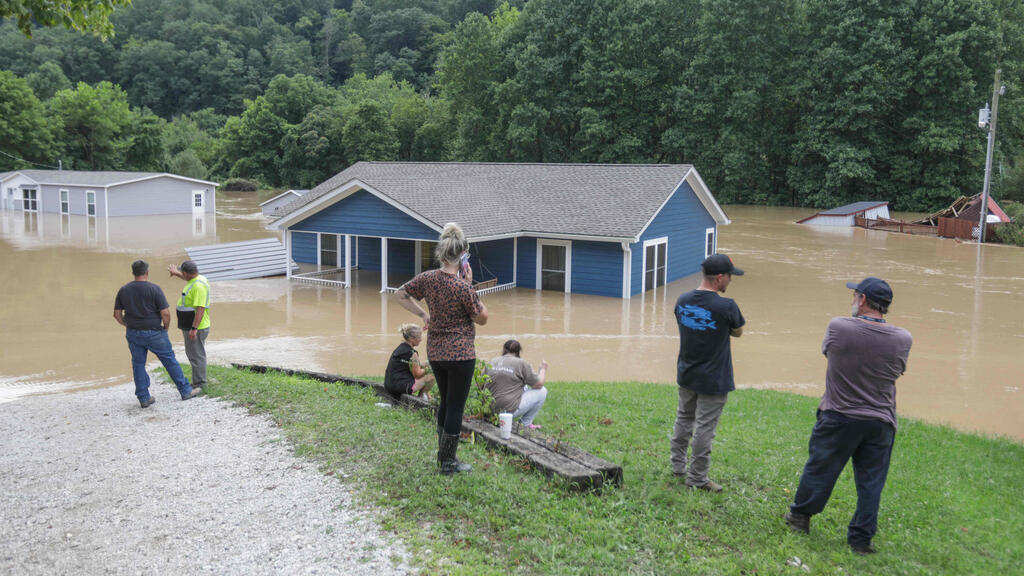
(704,372)
(140,306)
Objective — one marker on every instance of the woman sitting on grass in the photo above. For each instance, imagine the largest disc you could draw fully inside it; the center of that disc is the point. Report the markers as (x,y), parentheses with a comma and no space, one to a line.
(405,373)
(514,385)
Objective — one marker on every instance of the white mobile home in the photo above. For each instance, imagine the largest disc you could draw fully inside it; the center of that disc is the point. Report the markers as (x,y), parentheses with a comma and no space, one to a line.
(105,193)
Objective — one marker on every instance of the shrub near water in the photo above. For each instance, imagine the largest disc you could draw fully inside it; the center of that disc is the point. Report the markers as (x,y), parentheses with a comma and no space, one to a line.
(951,505)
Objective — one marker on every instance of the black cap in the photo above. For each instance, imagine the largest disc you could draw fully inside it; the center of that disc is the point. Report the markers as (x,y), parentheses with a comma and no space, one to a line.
(720,264)
(874,289)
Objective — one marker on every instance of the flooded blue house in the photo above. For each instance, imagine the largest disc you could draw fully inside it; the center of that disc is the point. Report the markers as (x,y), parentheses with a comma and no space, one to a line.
(607,229)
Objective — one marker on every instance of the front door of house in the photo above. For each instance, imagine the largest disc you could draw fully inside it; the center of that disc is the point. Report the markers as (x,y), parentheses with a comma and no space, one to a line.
(198,201)
(555,265)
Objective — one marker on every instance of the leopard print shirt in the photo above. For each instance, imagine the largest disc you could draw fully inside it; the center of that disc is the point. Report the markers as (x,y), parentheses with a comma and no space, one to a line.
(452,304)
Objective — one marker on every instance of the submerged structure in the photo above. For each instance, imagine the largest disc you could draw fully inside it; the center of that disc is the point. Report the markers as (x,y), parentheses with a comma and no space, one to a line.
(607,229)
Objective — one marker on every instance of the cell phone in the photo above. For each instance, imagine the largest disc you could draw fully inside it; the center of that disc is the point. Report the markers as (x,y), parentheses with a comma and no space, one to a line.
(465,264)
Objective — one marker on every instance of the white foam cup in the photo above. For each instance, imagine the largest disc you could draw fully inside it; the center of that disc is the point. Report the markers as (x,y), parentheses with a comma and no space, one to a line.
(506,424)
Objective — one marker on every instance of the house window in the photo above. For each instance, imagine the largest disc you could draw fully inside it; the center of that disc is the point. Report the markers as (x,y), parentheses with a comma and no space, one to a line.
(198,200)
(65,205)
(554,265)
(427,259)
(31,200)
(329,250)
(655,262)
(709,242)
(90,202)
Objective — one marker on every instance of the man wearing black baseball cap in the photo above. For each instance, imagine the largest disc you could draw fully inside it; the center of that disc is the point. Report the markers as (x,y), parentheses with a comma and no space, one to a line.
(857,414)
(703,369)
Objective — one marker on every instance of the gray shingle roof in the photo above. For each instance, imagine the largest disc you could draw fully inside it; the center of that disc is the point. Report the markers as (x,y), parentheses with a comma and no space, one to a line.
(852,208)
(88,177)
(611,200)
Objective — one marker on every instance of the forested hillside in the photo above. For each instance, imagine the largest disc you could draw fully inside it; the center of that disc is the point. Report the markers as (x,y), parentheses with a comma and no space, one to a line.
(794,102)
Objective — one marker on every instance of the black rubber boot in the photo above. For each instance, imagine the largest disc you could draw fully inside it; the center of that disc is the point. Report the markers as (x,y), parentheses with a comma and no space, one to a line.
(446,454)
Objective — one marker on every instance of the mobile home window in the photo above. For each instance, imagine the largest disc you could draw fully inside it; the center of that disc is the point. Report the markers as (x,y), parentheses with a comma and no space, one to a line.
(709,246)
(31,200)
(90,203)
(65,205)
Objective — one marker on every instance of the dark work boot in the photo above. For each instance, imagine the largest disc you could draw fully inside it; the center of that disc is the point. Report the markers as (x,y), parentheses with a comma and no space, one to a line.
(798,522)
(449,463)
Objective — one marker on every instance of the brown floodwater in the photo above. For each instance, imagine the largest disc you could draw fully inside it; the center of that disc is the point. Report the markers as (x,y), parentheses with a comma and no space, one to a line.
(961,301)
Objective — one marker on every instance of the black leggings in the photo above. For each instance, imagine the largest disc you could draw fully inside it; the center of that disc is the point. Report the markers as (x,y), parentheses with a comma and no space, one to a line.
(453,378)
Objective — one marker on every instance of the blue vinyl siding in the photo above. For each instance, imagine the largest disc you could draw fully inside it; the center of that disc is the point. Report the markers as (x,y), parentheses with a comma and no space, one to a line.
(496,256)
(304,247)
(369,253)
(597,268)
(527,265)
(684,221)
(364,214)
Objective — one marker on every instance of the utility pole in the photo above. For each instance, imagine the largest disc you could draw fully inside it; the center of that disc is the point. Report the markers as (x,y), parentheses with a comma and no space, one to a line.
(990,119)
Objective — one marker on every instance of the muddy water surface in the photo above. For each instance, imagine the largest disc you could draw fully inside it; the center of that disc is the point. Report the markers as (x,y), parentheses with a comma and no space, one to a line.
(963,303)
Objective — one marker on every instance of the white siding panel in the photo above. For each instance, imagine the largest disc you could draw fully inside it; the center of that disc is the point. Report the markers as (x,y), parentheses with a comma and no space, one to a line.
(155,196)
(876,213)
(820,220)
(273,208)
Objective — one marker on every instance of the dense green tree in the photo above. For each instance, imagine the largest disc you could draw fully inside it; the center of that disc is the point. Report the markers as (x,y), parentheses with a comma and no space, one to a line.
(48,80)
(145,147)
(97,122)
(187,163)
(368,134)
(735,106)
(292,97)
(82,15)
(469,74)
(26,131)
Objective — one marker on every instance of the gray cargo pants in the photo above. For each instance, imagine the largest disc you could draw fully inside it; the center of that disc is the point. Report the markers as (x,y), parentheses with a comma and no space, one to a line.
(196,352)
(696,420)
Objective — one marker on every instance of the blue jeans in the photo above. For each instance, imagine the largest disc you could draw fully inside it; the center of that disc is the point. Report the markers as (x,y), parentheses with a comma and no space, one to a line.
(140,343)
(530,404)
(837,438)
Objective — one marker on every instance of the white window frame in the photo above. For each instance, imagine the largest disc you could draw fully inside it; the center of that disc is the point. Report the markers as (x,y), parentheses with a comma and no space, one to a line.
(568,261)
(714,241)
(27,202)
(90,205)
(662,241)
(65,201)
(320,248)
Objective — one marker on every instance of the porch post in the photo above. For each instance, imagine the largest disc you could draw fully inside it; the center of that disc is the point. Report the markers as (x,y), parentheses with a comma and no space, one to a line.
(348,262)
(515,261)
(383,264)
(627,262)
(288,255)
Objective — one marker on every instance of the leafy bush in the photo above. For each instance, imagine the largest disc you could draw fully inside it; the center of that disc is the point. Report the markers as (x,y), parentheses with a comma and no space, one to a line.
(1010,233)
(480,403)
(1014,210)
(1013,232)
(240,185)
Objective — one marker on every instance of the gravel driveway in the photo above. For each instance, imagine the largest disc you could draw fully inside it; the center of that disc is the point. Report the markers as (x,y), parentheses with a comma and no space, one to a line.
(92,484)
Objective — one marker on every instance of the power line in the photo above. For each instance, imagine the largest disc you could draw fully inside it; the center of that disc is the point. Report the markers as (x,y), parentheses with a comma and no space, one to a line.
(29,161)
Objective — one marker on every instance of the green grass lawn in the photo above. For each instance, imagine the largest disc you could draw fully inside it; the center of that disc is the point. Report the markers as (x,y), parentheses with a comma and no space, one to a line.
(952,504)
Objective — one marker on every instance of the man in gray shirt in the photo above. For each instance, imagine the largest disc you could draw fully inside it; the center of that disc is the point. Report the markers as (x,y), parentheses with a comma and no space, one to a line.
(857,414)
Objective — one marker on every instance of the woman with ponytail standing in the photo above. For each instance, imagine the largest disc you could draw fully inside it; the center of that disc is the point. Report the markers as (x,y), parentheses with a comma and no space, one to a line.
(453,309)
